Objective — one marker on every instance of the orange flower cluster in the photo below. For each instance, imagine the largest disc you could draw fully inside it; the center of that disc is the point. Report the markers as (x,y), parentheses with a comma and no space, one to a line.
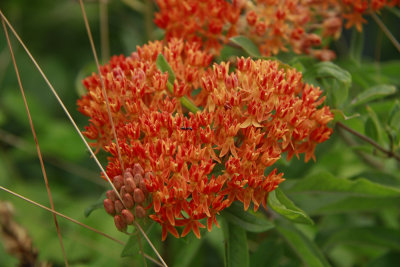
(250,117)
(206,22)
(353,11)
(134,84)
(274,25)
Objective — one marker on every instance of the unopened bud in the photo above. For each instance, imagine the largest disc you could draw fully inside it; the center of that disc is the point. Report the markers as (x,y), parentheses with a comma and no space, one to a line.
(127,216)
(137,169)
(118,181)
(137,178)
(118,206)
(130,185)
(109,206)
(140,211)
(138,195)
(128,200)
(142,186)
(111,195)
(127,175)
(123,190)
(120,223)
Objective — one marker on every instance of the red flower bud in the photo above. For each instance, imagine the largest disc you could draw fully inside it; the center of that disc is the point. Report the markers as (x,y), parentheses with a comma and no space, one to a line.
(128,200)
(118,206)
(127,216)
(138,195)
(140,211)
(120,223)
(109,206)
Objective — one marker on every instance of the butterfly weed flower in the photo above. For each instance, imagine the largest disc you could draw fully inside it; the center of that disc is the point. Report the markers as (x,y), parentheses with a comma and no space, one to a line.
(301,26)
(134,84)
(250,116)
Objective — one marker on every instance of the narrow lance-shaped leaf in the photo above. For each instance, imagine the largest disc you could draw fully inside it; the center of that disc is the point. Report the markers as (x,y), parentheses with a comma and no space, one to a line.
(247,45)
(280,203)
(248,221)
(325,182)
(162,64)
(97,205)
(306,249)
(236,248)
(374,93)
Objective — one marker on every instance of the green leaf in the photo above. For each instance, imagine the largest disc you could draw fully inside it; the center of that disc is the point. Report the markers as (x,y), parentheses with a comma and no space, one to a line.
(280,203)
(335,80)
(131,247)
(373,127)
(247,45)
(351,204)
(387,260)
(373,235)
(96,205)
(306,250)
(247,220)
(394,117)
(371,130)
(373,93)
(188,252)
(236,248)
(325,182)
(163,65)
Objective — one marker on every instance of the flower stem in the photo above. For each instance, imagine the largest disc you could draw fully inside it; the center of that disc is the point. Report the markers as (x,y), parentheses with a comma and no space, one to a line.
(388,153)
(385,30)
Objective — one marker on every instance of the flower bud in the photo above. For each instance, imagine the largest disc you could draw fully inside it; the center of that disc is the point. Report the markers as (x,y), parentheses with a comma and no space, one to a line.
(118,181)
(140,211)
(128,200)
(127,175)
(118,206)
(109,206)
(138,195)
(137,169)
(142,187)
(123,190)
(137,179)
(120,223)
(130,185)
(111,195)
(127,216)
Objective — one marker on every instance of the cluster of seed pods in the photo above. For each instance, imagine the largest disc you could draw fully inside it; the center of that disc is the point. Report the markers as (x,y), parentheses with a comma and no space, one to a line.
(133,192)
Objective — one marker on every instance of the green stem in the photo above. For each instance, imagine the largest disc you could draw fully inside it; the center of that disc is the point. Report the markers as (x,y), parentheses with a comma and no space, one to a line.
(388,153)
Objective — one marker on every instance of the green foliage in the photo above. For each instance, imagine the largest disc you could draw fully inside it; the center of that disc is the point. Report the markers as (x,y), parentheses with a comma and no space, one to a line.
(279,202)
(247,45)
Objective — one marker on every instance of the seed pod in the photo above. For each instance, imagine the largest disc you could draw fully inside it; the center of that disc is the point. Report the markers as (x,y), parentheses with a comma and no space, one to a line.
(137,169)
(137,178)
(118,181)
(118,206)
(140,211)
(138,195)
(120,223)
(128,200)
(111,195)
(130,185)
(127,216)
(109,206)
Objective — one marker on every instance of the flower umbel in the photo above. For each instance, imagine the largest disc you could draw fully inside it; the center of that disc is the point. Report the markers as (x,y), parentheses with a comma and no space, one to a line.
(250,116)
